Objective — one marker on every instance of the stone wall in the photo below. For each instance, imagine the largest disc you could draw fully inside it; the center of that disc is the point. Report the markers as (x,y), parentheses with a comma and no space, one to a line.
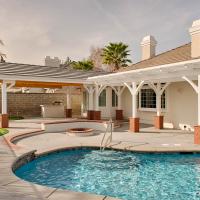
(28,104)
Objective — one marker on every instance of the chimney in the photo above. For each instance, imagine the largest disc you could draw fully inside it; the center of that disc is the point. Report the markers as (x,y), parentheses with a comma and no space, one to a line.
(148,45)
(195,39)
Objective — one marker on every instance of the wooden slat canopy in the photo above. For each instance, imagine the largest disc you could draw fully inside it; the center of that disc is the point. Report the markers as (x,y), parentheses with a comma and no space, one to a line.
(35,84)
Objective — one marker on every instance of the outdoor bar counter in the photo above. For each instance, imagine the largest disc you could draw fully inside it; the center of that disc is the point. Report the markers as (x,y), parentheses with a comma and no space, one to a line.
(52,111)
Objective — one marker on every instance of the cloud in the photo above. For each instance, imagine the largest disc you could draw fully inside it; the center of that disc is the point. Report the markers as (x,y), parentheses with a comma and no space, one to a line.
(33,29)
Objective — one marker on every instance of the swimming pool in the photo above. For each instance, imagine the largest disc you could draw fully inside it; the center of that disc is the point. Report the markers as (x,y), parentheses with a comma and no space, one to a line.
(125,175)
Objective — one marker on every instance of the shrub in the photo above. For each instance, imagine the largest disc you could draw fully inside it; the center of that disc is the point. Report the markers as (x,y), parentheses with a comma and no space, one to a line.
(3,131)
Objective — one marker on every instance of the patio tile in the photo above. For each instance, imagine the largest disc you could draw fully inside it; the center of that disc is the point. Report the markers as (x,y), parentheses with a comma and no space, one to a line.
(69,195)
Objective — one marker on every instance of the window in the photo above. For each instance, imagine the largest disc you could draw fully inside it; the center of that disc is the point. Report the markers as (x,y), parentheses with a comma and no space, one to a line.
(102,98)
(148,99)
(114,99)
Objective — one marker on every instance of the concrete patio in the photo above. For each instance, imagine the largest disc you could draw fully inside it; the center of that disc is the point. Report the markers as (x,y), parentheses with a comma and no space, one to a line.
(149,139)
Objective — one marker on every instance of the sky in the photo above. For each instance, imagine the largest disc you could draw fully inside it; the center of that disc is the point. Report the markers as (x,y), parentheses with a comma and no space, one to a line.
(33,29)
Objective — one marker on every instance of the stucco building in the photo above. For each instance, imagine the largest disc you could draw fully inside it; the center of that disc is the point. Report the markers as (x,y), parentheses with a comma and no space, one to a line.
(162,89)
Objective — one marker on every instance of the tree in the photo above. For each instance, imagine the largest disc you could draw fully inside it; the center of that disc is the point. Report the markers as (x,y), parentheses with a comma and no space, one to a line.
(96,58)
(115,54)
(83,65)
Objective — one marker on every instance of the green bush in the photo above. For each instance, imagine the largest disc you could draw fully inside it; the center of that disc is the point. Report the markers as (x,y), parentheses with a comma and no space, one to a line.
(13,117)
(3,131)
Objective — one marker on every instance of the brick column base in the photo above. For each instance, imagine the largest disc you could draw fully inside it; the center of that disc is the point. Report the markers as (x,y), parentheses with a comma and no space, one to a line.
(119,115)
(90,114)
(134,124)
(4,121)
(97,115)
(68,113)
(197,134)
(158,122)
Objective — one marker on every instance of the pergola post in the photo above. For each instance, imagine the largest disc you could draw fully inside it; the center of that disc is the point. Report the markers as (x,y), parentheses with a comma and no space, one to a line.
(97,112)
(90,112)
(134,121)
(197,90)
(69,103)
(4,121)
(158,89)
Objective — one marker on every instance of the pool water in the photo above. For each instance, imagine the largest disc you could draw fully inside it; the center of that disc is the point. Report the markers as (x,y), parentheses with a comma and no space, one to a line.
(124,175)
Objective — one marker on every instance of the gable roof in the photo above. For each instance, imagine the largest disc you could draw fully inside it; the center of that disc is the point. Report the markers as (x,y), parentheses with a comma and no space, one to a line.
(179,54)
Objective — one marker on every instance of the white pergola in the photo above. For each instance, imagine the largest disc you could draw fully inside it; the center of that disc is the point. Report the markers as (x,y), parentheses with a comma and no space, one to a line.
(158,78)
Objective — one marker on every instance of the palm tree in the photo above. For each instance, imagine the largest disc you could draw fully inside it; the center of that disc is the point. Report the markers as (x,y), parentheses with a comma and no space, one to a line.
(115,54)
(83,65)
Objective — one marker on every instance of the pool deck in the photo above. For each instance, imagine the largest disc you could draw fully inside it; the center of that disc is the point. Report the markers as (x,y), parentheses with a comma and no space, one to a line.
(149,139)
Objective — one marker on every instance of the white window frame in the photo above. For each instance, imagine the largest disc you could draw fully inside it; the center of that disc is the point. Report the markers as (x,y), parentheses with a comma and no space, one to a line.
(152,109)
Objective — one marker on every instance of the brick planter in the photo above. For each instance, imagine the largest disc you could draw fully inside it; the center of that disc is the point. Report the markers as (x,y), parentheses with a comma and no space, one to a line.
(97,115)
(119,115)
(197,134)
(90,114)
(4,121)
(68,113)
(158,122)
(134,124)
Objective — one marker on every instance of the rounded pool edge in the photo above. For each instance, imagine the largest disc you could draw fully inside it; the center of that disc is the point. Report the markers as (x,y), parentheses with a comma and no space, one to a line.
(32,155)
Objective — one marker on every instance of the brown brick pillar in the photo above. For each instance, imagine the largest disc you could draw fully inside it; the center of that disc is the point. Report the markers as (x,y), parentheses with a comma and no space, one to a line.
(97,115)
(197,134)
(90,114)
(68,113)
(134,124)
(119,115)
(158,122)
(4,121)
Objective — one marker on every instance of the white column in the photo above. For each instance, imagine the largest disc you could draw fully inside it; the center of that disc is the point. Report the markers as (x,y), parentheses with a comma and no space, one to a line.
(69,98)
(119,96)
(158,99)
(134,91)
(91,98)
(119,107)
(96,98)
(134,100)
(4,97)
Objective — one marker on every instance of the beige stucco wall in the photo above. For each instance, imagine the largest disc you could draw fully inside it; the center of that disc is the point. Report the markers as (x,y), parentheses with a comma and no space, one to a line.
(181,107)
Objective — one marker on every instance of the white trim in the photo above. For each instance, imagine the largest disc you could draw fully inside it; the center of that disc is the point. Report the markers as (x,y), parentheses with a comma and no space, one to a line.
(151,109)
(194,86)
(165,73)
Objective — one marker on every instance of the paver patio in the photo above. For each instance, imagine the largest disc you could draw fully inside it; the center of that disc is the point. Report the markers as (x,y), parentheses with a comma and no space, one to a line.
(148,139)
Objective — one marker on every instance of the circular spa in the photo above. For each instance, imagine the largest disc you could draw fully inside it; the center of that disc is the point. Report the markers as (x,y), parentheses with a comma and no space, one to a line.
(124,175)
(81,132)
